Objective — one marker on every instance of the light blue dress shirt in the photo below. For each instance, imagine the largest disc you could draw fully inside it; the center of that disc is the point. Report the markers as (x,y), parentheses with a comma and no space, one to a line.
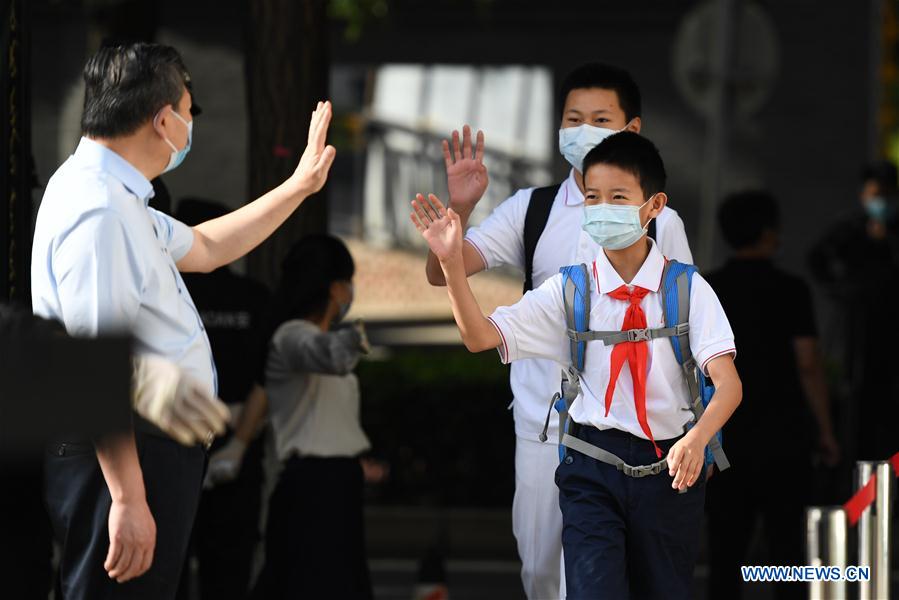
(103,262)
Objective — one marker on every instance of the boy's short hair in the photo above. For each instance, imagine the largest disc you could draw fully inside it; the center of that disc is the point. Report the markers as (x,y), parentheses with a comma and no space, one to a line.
(744,217)
(633,153)
(607,77)
(125,86)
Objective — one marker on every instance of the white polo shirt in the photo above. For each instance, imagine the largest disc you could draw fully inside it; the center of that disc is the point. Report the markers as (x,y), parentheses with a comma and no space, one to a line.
(500,241)
(535,327)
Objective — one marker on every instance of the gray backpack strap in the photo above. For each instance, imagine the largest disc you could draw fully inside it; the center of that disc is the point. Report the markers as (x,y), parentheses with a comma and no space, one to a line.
(571,378)
(689,365)
(610,338)
(597,453)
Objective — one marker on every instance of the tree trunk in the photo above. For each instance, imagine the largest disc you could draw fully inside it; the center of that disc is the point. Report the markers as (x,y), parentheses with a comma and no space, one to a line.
(286,73)
(17,171)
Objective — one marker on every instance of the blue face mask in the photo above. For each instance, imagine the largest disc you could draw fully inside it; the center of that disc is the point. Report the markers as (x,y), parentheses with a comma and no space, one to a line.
(614,227)
(878,209)
(178,156)
(576,142)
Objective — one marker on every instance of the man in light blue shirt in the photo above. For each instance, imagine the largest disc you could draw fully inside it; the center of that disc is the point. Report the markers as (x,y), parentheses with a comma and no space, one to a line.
(104,262)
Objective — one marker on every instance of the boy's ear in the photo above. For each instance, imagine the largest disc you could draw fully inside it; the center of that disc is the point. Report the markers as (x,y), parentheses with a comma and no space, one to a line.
(635,125)
(659,201)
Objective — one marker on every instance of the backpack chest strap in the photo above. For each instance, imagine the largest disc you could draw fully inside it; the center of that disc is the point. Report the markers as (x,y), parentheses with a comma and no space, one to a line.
(611,338)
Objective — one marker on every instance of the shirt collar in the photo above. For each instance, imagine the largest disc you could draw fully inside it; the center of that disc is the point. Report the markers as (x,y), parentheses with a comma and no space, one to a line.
(573,195)
(648,277)
(93,153)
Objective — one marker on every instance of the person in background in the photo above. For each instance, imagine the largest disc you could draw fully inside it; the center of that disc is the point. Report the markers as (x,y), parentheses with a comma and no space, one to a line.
(857,263)
(315,535)
(785,400)
(162,199)
(26,539)
(226,530)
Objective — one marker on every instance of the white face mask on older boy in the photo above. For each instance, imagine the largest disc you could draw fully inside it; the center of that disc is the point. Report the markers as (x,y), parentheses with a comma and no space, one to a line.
(576,142)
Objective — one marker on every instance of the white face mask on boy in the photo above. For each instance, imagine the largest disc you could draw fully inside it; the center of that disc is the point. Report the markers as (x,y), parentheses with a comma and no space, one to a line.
(615,227)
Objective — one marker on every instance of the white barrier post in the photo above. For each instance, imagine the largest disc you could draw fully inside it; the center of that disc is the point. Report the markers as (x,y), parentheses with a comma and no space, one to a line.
(826,538)
(883,509)
(813,517)
(863,472)
(837,551)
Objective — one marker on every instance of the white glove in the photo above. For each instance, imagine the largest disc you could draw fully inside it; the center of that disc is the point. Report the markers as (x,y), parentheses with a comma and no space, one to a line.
(364,345)
(225,463)
(172,401)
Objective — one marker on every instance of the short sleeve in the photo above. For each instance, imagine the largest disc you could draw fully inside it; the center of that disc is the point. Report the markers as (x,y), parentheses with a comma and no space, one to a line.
(177,237)
(534,327)
(98,275)
(710,333)
(802,319)
(499,239)
(673,237)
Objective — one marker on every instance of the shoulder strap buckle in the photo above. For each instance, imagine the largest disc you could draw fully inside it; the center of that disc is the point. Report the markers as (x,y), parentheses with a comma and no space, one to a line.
(638,335)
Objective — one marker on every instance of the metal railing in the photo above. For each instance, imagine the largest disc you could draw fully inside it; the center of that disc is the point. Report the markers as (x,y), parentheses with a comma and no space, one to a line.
(402,161)
(828,542)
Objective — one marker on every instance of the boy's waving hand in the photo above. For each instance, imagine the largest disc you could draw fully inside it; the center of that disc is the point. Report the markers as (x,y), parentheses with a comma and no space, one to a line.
(441,229)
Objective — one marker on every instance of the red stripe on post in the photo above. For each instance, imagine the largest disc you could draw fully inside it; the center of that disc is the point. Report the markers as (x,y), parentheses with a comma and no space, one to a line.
(861,500)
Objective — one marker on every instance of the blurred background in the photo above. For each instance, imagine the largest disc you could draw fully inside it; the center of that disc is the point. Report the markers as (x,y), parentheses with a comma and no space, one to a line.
(794,96)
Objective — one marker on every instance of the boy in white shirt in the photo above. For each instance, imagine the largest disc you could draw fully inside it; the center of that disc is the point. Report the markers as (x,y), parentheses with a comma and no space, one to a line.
(538,230)
(622,536)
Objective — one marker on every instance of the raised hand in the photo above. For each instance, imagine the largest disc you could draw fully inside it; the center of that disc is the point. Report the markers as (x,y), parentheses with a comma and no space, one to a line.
(312,171)
(466,174)
(441,228)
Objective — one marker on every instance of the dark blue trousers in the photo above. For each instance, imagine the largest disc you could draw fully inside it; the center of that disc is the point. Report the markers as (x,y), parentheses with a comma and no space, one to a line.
(625,537)
(78,503)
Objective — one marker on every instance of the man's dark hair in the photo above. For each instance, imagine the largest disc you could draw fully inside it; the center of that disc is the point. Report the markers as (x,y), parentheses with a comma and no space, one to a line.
(125,86)
(744,217)
(884,173)
(606,77)
(633,153)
